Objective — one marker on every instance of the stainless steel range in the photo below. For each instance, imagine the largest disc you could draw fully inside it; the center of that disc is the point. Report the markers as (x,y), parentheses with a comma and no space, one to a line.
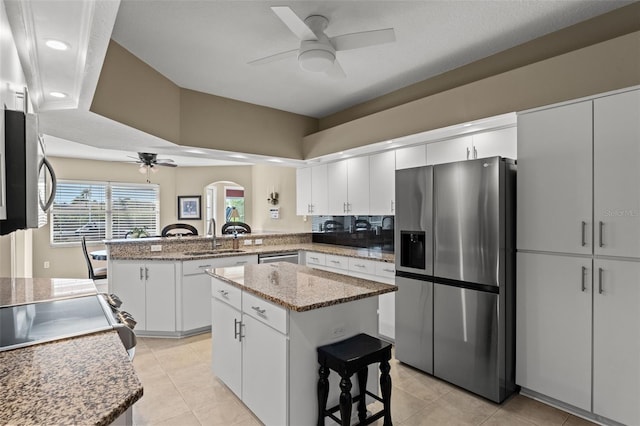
(34,323)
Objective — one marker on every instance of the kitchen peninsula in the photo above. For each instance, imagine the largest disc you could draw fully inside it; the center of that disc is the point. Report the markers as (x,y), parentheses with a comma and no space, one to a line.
(268,320)
(87,379)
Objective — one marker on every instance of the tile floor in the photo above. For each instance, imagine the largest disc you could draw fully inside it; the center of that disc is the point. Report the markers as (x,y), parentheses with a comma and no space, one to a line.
(181,390)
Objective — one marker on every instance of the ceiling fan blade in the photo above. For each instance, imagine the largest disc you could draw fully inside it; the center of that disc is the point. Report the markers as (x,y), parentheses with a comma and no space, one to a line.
(294,23)
(166,163)
(273,58)
(336,72)
(363,39)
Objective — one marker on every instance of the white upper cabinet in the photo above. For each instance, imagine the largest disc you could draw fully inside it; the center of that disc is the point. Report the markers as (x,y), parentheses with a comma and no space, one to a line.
(319,190)
(413,156)
(554,179)
(616,165)
(450,150)
(503,143)
(382,178)
(358,186)
(337,181)
(303,191)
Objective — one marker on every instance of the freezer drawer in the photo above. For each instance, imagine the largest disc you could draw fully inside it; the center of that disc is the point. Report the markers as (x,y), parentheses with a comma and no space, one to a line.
(468,340)
(414,323)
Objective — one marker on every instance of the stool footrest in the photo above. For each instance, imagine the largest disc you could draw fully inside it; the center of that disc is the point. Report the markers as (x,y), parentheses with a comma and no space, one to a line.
(372,418)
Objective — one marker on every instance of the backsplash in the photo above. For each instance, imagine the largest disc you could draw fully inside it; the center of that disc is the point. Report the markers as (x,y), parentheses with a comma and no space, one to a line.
(373,232)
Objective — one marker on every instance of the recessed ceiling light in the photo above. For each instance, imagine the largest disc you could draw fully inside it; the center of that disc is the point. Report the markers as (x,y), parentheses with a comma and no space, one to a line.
(237,156)
(58,94)
(275,160)
(195,151)
(57,45)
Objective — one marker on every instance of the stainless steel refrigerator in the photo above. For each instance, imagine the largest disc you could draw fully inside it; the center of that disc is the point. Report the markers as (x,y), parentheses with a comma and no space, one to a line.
(455,262)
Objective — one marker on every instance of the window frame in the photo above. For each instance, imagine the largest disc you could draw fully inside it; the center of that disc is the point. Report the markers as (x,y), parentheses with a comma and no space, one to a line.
(108,209)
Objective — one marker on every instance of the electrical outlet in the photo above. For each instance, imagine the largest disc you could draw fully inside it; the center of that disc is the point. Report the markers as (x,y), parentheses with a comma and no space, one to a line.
(156,247)
(247,242)
(46,264)
(258,241)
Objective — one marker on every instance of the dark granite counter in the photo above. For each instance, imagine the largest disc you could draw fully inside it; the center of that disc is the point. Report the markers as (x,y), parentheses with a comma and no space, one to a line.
(299,288)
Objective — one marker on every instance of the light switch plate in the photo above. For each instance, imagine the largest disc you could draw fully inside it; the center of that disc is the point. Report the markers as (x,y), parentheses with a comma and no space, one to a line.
(156,247)
(247,242)
(258,241)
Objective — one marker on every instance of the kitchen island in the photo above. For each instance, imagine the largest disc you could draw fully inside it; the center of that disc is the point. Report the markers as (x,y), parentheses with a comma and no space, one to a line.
(268,320)
(80,380)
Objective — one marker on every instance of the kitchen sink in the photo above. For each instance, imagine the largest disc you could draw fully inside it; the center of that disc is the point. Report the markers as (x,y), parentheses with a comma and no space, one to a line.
(212,252)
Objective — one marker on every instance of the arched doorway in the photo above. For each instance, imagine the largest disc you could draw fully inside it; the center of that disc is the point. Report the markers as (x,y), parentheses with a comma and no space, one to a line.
(222,198)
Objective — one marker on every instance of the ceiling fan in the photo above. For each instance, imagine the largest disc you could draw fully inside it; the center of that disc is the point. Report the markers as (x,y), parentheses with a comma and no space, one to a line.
(317,52)
(149,161)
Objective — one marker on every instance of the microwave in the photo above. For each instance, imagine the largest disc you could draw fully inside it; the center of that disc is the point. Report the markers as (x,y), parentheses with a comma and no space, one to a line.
(29,182)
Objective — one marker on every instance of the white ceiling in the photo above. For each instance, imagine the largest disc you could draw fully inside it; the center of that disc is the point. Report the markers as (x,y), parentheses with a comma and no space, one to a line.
(205,46)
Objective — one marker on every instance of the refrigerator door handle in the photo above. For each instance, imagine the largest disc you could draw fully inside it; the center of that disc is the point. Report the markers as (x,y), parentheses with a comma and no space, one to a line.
(584,273)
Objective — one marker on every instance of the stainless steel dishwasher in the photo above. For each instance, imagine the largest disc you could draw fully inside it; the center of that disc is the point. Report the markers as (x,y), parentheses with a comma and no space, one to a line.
(291,257)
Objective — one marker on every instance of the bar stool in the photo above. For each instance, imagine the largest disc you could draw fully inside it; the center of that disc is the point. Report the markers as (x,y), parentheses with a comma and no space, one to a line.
(347,357)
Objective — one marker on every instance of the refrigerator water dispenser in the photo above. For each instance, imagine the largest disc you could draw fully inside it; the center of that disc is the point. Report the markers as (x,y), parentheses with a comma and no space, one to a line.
(412,253)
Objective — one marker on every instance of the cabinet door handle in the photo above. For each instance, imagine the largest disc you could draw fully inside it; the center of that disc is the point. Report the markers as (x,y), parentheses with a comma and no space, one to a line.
(584,233)
(389,270)
(600,286)
(310,208)
(467,153)
(237,330)
(141,275)
(584,273)
(334,261)
(204,266)
(258,310)
(600,229)
(475,153)
(146,273)
(314,258)
(392,205)
(224,293)
(358,265)
(241,262)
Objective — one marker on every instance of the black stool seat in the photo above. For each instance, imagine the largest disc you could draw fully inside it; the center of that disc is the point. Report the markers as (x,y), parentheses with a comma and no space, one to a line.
(348,357)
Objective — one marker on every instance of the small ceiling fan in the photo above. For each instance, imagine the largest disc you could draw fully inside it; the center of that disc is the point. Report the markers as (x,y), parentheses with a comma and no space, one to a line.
(317,52)
(149,161)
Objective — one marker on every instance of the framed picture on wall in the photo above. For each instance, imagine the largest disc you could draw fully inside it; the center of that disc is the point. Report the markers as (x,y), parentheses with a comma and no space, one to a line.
(189,207)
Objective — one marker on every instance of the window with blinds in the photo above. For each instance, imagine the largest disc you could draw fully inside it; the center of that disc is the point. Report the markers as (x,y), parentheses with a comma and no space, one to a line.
(102,210)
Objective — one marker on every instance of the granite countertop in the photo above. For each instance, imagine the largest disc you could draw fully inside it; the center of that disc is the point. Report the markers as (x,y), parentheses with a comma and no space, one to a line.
(84,380)
(362,253)
(18,291)
(299,288)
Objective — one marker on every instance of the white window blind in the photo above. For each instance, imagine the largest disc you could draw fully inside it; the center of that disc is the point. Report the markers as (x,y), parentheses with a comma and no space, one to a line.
(133,206)
(102,210)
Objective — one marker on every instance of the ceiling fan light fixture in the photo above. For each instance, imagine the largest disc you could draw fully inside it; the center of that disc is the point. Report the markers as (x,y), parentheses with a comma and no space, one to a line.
(316,60)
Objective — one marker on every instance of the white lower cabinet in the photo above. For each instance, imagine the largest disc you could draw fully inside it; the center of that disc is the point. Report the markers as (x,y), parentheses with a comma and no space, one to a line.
(553,327)
(264,371)
(616,340)
(562,301)
(227,350)
(248,354)
(148,293)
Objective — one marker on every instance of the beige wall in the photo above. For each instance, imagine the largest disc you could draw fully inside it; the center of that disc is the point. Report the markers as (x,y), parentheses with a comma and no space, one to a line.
(283,179)
(606,66)
(131,92)
(69,262)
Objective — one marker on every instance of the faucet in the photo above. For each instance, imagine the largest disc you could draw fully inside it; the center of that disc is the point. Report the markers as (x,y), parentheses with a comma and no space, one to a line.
(212,231)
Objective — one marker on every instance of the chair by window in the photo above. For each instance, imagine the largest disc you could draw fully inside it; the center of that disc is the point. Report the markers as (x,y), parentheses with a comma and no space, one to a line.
(179,229)
(239,227)
(94,273)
